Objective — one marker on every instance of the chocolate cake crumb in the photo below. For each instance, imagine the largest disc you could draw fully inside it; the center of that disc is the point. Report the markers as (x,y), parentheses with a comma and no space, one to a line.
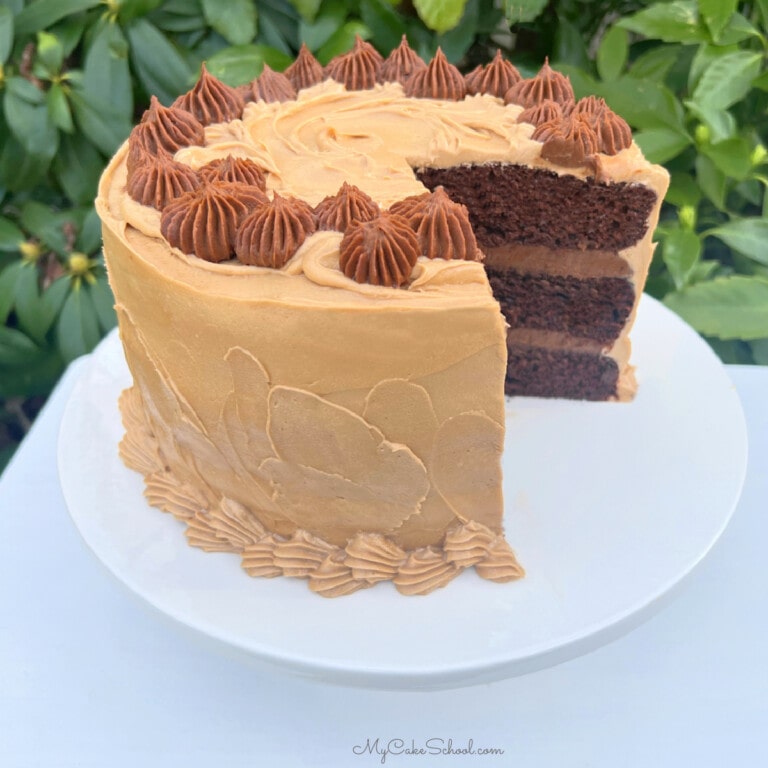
(539,372)
(511,203)
(592,308)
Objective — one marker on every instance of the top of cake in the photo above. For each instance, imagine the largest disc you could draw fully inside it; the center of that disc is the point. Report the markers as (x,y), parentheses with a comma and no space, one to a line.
(314,151)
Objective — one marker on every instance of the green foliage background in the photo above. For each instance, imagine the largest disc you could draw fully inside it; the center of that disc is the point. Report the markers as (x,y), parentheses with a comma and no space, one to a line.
(689,76)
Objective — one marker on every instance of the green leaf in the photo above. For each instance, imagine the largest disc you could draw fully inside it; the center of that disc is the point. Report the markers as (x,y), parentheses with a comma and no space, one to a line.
(661,144)
(78,167)
(161,69)
(569,44)
(102,123)
(6,33)
(52,299)
(24,90)
(716,14)
(307,8)
(711,180)
(440,15)
(278,25)
(50,52)
(739,29)
(329,20)
(58,108)
(30,123)
(15,347)
(721,123)
(239,64)
(612,53)
(28,310)
(46,225)
(683,190)
(10,236)
(681,249)
(18,169)
(760,351)
(643,103)
(234,20)
(727,80)
(732,157)
(104,304)
(8,278)
(655,63)
(734,307)
(34,374)
(342,40)
(456,42)
(675,22)
(133,9)
(40,14)
(523,12)
(89,233)
(387,25)
(748,236)
(78,326)
(106,74)
(179,16)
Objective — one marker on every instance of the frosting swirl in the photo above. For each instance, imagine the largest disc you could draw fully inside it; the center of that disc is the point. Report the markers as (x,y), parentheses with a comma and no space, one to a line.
(210,100)
(424,571)
(333,577)
(439,80)
(500,565)
(204,222)
(401,63)
(547,84)
(358,70)
(158,178)
(468,544)
(165,129)
(337,212)
(442,226)
(305,71)
(496,78)
(301,554)
(568,141)
(271,86)
(372,557)
(239,170)
(542,112)
(382,251)
(270,235)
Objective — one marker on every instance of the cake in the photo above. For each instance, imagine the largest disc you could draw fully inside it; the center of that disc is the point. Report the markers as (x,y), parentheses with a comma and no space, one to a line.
(310,273)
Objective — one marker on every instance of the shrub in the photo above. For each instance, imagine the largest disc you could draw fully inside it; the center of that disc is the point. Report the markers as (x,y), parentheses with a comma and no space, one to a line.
(688,75)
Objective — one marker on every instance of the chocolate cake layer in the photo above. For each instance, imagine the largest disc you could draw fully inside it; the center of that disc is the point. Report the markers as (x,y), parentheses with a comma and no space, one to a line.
(592,308)
(540,372)
(511,203)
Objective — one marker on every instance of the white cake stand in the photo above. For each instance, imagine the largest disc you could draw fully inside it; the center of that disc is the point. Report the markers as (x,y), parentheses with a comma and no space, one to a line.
(608,506)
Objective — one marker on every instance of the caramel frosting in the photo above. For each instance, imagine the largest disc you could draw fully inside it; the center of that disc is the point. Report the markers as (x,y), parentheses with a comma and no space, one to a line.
(373,557)
(158,179)
(166,128)
(439,80)
(305,71)
(442,226)
(467,545)
(401,63)
(382,251)
(273,233)
(547,84)
(358,70)
(301,554)
(500,565)
(349,204)
(210,100)
(239,170)
(271,86)
(333,577)
(424,571)
(496,78)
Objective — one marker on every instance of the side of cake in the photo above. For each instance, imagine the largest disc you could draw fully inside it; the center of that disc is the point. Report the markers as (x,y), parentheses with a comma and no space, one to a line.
(319,361)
